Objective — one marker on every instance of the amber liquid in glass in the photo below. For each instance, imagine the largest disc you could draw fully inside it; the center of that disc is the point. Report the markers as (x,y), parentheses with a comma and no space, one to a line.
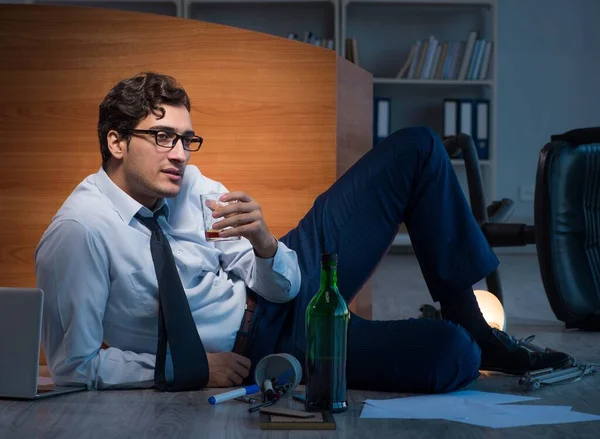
(211,234)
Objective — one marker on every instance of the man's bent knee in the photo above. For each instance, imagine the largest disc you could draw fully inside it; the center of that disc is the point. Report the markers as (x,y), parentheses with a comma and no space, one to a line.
(422,140)
(458,361)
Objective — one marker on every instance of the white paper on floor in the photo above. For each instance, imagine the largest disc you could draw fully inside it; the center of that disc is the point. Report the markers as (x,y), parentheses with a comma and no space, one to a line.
(473,407)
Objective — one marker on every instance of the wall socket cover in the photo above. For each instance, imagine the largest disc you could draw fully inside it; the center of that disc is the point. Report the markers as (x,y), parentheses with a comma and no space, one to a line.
(526,193)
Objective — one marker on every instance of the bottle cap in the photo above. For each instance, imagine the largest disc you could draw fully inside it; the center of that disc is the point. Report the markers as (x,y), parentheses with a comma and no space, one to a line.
(329,258)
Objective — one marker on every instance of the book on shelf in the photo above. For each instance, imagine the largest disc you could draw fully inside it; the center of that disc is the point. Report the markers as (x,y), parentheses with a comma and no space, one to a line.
(314,39)
(472,117)
(382,110)
(432,59)
(352,50)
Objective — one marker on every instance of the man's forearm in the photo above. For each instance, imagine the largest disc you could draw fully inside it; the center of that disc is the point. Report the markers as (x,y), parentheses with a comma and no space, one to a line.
(109,369)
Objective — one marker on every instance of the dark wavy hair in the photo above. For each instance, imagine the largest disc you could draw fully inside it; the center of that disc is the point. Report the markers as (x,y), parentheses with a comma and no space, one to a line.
(132,100)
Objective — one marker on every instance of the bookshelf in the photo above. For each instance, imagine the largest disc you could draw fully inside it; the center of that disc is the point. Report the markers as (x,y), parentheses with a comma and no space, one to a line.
(275,17)
(163,7)
(386,30)
(431,82)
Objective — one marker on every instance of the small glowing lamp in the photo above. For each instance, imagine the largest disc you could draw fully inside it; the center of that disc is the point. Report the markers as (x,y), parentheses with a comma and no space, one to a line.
(491,308)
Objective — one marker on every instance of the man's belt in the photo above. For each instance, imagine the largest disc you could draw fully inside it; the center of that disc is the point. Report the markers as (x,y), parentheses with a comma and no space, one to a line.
(241,339)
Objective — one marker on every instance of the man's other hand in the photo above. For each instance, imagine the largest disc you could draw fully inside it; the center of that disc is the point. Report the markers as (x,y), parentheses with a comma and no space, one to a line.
(227,369)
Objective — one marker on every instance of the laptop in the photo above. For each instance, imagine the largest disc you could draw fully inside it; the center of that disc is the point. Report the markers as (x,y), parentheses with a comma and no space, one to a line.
(20,337)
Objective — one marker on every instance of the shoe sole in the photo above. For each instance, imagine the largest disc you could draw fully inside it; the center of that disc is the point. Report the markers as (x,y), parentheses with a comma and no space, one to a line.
(524,371)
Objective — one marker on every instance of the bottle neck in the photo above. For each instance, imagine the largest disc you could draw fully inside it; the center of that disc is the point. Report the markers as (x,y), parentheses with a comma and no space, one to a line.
(328,277)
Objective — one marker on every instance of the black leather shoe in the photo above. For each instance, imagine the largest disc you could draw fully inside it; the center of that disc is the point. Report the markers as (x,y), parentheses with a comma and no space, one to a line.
(503,353)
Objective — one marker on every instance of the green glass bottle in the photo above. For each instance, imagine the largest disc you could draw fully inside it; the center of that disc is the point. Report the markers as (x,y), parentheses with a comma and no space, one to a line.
(327,318)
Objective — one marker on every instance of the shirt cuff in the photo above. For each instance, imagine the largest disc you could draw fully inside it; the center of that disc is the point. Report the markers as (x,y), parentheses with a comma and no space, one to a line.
(278,263)
(279,275)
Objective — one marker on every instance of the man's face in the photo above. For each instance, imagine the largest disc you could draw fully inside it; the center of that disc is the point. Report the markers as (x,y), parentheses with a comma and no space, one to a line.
(152,171)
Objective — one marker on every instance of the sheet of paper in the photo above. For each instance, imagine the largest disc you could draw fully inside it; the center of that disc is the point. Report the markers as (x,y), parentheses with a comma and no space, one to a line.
(524,415)
(473,407)
(452,410)
(448,398)
(491,398)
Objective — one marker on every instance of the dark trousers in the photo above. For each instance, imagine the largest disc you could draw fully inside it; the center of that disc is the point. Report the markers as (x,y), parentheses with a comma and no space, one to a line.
(406,178)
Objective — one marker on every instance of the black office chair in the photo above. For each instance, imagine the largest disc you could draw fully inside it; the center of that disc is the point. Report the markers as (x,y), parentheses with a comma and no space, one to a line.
(567,222)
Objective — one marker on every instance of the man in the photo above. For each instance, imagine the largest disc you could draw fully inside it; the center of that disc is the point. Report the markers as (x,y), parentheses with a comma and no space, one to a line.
(100,263)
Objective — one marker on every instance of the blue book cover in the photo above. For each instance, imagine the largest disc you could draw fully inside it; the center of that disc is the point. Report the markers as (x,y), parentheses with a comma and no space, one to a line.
(382,108)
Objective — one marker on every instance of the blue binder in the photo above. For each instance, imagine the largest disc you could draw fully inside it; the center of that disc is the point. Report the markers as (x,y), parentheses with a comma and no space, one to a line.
(481,128)
(472,117)
(382,112)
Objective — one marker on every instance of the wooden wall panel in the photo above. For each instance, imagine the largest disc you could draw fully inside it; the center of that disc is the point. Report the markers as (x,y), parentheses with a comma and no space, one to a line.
(354,137)
(266,107)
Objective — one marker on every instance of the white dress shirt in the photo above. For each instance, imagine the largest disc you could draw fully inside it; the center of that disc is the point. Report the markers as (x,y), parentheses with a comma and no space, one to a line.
(95,267)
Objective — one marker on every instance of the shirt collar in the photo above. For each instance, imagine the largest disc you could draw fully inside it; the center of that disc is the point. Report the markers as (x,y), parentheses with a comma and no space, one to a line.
(122,202)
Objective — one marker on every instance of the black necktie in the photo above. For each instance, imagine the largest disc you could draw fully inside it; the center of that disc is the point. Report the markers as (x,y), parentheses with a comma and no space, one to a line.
(175,322)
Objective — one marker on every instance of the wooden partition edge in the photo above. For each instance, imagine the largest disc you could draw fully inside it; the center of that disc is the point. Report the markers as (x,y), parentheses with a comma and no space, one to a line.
(354,139)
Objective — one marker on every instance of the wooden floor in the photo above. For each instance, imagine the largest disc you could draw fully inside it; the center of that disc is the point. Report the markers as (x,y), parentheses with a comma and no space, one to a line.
(148,414)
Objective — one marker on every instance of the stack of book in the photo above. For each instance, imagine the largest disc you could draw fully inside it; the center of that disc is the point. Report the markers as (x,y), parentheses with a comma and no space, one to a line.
(459,60)
(312,38)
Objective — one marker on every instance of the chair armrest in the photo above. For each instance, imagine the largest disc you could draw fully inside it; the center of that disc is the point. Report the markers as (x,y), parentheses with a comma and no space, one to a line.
(508,235)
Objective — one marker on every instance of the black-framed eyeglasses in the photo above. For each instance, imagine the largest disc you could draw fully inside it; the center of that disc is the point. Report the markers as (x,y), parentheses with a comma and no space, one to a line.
(168,139)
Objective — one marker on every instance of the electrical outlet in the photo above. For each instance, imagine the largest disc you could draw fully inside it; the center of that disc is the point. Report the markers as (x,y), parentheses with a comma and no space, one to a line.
(527,193)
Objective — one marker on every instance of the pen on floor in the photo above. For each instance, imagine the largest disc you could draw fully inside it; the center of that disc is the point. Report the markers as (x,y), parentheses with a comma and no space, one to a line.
(232,394)
(259,406)
(270,396)
(246,399)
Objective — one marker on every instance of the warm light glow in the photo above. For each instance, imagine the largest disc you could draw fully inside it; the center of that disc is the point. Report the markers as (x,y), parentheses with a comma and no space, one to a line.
(491,308)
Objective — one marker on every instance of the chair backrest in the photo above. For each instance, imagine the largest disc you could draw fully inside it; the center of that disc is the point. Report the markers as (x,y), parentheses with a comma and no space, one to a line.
(567,224)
